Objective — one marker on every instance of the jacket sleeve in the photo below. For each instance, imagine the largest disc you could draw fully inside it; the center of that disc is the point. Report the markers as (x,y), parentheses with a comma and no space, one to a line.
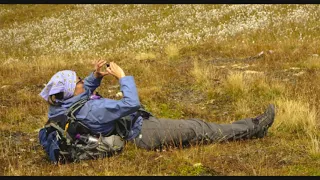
(107,110)
(129,103)
(92,83)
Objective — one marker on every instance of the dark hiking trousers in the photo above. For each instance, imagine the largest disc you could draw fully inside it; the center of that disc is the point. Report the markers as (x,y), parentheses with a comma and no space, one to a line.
(158,133)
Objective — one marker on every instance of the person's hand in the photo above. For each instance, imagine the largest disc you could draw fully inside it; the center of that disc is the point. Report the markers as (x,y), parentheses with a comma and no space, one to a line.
(115,70)
(98,65)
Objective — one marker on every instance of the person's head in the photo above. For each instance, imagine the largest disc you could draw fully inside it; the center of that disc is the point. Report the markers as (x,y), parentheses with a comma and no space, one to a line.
(62,85)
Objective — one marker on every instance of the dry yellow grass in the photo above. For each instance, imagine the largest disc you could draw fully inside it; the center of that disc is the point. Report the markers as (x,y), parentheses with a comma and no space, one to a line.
(312,62)
(172,51)
(314,146)
(235,84)
(145,56)
(203,74)
(296,116)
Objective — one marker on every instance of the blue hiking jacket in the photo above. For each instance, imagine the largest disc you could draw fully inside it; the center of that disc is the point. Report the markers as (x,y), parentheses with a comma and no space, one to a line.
(100,114)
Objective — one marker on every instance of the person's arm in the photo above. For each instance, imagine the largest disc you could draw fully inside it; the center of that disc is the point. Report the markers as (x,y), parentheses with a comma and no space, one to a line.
(106,110)
(91,82)
(130,100)
(130,103)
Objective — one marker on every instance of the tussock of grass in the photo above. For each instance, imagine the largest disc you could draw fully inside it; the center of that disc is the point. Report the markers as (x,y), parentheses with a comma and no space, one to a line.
(201,74)
(235,84)
(250,92)
(312,62)
(295,116)
(314,145)
(252,86)
(172,51)
(145,56)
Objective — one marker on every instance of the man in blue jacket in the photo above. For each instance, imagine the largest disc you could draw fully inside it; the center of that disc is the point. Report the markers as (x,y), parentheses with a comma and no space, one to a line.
(100,114)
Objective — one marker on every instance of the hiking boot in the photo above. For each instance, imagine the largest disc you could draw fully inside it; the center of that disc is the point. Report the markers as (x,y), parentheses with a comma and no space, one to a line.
(264,121)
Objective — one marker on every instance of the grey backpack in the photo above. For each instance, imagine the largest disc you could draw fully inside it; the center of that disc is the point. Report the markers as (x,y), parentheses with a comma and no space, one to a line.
(66,139)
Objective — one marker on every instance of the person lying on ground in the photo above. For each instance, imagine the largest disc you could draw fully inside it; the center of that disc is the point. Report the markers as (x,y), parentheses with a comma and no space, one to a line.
(100,114)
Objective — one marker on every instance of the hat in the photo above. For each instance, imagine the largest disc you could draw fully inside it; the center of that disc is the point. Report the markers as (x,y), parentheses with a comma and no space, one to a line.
(63,81)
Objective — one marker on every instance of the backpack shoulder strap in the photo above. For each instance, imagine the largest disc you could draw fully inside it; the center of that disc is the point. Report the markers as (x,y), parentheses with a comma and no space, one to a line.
(76,106)
(61,122)
(70,128)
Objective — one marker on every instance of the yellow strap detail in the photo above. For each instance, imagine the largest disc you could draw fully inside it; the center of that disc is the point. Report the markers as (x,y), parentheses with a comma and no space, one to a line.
(65,129)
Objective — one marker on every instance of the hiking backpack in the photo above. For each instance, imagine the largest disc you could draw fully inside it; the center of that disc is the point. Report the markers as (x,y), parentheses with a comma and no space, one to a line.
(65,139)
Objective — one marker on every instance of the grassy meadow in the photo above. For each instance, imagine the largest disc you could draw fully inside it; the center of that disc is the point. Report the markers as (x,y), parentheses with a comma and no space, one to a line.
(215,62)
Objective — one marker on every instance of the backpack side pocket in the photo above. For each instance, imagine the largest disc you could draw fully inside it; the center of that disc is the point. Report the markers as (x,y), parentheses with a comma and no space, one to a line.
(49,144)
